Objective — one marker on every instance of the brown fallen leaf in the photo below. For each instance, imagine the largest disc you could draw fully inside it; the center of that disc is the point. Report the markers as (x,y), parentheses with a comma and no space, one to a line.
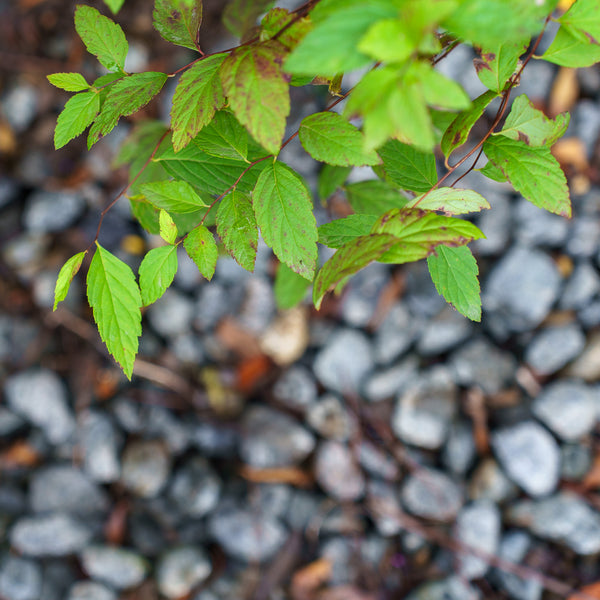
(565,91)
(346,592)
(20,454)
(309,578)
(571,151)
(289,475)
(587,592)
(592,479)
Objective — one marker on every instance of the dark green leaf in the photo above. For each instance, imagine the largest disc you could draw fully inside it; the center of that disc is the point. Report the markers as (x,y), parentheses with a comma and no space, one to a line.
(458,131)
(454,272)
(350,258)
(102,37)
(257,91)
(275,24)
(225,137)
(157,272)
(236,226)
(115,299)
(178,21)
(67,272)
(330,179)
(125,97)
(418,232)
(533,171)
(202,249)
(494,173)
(79,112)
(240,16)
(328,137)
(374,197)
(336,233)
(198,96)
(283,209)
(407,167)
(290,288)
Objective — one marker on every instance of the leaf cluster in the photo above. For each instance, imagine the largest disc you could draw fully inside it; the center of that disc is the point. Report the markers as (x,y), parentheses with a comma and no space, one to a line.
(217,166)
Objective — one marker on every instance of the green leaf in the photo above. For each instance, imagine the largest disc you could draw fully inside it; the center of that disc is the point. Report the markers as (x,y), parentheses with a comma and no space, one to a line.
(71,82)
(494,22)
(532,171)
(178,21)
(225,137)
(173,196)
(583,20)
(236,226)
(67,272)
(497,64)
(350,258)
(240,16)
(102,37)
(146,215)
(283,209)
(392,107)
(167,227)
(202,249)
(532,126)
(328,137)
(257,91)
(284,26)
(290,288)
(492,172)
(115,299)
(331,46)
(418,232)
(114,5)
(198,96)
(207,173)
(438,90)
(78,113)
(568,50)
(125,97)
(407,167)
(450,200)
(330,179)
(157,272)
(454,272)
(336,233)
(374,197)
(458,131)
(388,40)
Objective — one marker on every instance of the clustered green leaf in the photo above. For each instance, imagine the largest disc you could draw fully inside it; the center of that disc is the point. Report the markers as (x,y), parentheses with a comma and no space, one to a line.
(217,167)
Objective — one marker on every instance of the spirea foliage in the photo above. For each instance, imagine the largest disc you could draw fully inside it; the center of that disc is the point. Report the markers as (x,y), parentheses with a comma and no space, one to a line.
(228,120)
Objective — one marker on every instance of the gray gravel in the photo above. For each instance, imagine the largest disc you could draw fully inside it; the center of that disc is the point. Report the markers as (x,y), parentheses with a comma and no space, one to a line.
(117,567)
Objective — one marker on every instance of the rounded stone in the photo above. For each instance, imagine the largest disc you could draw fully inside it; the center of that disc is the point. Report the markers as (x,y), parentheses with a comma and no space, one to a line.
(338,473)
(432,494)
(145,468)
(180,570)
(20,579)
(90,590)
(195,488)
(117,567)
(554,347)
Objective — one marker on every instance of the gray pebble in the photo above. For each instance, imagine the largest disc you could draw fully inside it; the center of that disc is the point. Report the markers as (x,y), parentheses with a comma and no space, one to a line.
(384,507)
(246,534)
(584,237)
(58,576)
(424,412)
(90,590)
(273,439)
(117,567)
(459,451)
(47,212)
(337,471)
(345,360)
(396,334)
(361,294)
(489,482)
(195,488)
(553,347)
(451,588)
(444,332)
(20,105)
(521,288)
(530,456)
(482,364)
(393,380)
(65,488)
(99,440)
(421,297)
(180,570)
(20,579)
(575,461)
(145,468)
(568,408)
(49,535)
(172,314)
(258,307)
(567,519)
(586,121)
(377,462)
(478,527)
(432,494)
(330,418)
(496,224)
(538,227)
(582,286)
(9,422)
(40,396)
(296,388)
(212,305)
(214,439)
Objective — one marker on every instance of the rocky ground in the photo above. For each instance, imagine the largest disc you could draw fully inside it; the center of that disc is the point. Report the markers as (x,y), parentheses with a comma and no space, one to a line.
(382,448)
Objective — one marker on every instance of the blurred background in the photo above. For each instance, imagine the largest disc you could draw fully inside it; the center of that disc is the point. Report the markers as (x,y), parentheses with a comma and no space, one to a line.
(382,448)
